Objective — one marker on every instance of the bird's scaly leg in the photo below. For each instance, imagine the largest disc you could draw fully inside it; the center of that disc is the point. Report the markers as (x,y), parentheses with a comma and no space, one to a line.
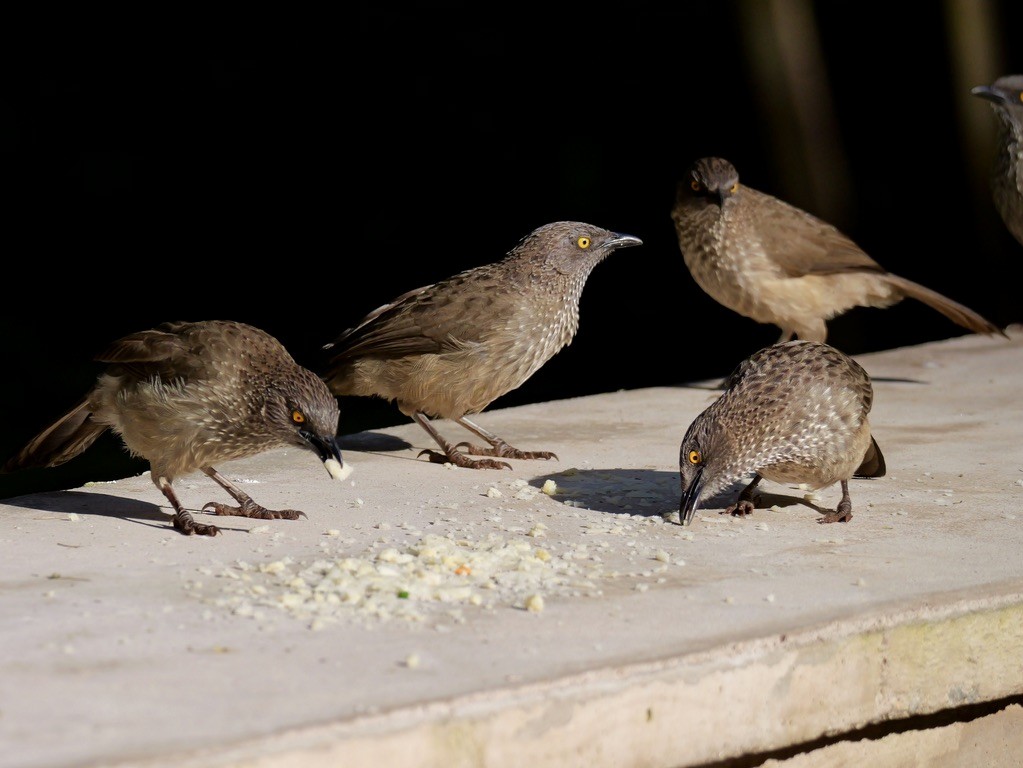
(182,519)
(498,447)
(246,506)
(843,512)
(451,452)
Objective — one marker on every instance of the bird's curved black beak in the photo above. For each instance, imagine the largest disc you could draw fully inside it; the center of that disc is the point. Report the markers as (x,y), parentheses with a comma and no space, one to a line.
(327,449)
(690,499)
(623,241)
(990,94)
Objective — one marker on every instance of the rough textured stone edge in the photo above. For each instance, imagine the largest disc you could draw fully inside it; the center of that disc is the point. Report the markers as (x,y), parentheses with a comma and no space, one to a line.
(740,698)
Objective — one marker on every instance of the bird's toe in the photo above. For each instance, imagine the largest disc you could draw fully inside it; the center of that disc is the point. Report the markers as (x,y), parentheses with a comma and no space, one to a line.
(186,525)
(740,509)
(837,516)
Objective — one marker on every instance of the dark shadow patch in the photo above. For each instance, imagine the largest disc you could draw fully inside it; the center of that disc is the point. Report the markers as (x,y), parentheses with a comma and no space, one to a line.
(897,380)
(372,442)
(656,493)
(647,492)
(105,505)
(706,386)
(872,732)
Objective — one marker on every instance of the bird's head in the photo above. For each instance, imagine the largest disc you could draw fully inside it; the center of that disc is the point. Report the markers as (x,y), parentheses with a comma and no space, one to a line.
(571,247)
(703,469)
(1005,94)
(303,412)
(713,180)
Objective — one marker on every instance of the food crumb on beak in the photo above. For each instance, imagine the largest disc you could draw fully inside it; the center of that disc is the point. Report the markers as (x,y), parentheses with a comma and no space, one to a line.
(336,470)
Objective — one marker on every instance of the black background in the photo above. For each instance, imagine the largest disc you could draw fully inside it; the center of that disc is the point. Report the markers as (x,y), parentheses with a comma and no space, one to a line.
(295,172)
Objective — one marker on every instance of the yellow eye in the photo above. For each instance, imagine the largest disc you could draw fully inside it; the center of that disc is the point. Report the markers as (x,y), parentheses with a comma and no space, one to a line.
(297,416)
(734,188)
(583,242)
(697,186)
(695,457)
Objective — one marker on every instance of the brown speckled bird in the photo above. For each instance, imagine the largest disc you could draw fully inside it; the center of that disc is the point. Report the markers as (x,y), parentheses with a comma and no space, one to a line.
(794,412)
(449,349)
(186,396)
(777,264)
(1006,97)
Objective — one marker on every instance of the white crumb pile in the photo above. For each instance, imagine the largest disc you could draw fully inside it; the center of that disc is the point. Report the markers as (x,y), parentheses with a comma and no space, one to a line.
(434,574)
(469,566)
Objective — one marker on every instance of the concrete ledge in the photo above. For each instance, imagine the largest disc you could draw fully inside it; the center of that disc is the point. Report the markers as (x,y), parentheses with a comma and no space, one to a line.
(127,644)
(786,690)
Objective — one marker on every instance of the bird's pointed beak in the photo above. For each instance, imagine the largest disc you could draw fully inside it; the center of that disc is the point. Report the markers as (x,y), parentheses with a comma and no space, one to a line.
(330,454)
(690,499)
(722,195)
(989,94)
(623,241)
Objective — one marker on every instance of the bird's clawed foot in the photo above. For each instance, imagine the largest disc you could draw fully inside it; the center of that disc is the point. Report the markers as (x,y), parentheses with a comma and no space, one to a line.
(741,508)
(746,502)
(459,459)
(842,514)
(505,451)
(250,508)
(184,522)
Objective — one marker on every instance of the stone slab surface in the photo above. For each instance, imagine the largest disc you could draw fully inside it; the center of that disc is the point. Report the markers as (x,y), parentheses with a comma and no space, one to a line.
(555,614)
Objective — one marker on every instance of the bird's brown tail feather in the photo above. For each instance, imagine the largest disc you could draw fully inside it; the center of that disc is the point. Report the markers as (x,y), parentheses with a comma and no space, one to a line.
(67,437)
(958,313)
(873,462)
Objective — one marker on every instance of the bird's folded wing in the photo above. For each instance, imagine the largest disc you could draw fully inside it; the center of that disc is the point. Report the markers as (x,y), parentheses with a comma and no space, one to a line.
(154,352)
(806,245)
(424,321)
(145,346)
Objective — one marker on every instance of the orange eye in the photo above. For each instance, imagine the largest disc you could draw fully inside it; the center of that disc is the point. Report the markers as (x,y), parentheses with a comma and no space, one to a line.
(583,242)
(297,416)
(734,188)
(697,186)
(695,457)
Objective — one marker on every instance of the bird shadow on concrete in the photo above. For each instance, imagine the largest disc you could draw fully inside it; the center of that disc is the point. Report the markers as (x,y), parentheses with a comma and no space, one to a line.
(105,505)
(372,442)
(654,493)
(765,500)
(896,380)
(719,386)
(647,492)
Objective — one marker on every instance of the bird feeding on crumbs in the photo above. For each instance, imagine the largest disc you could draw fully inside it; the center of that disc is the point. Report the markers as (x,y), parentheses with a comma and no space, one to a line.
(186,396)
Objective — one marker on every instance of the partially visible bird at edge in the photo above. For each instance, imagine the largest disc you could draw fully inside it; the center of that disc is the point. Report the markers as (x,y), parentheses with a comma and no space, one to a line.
(449,349)
(1006,97)
(188,395)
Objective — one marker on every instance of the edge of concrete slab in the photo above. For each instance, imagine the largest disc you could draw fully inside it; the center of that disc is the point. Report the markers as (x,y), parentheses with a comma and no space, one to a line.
(881,667)
(680,684)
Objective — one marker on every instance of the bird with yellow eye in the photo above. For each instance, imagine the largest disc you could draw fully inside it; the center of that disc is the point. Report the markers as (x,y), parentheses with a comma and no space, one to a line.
(794,412)
(448,349)
(777,264)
